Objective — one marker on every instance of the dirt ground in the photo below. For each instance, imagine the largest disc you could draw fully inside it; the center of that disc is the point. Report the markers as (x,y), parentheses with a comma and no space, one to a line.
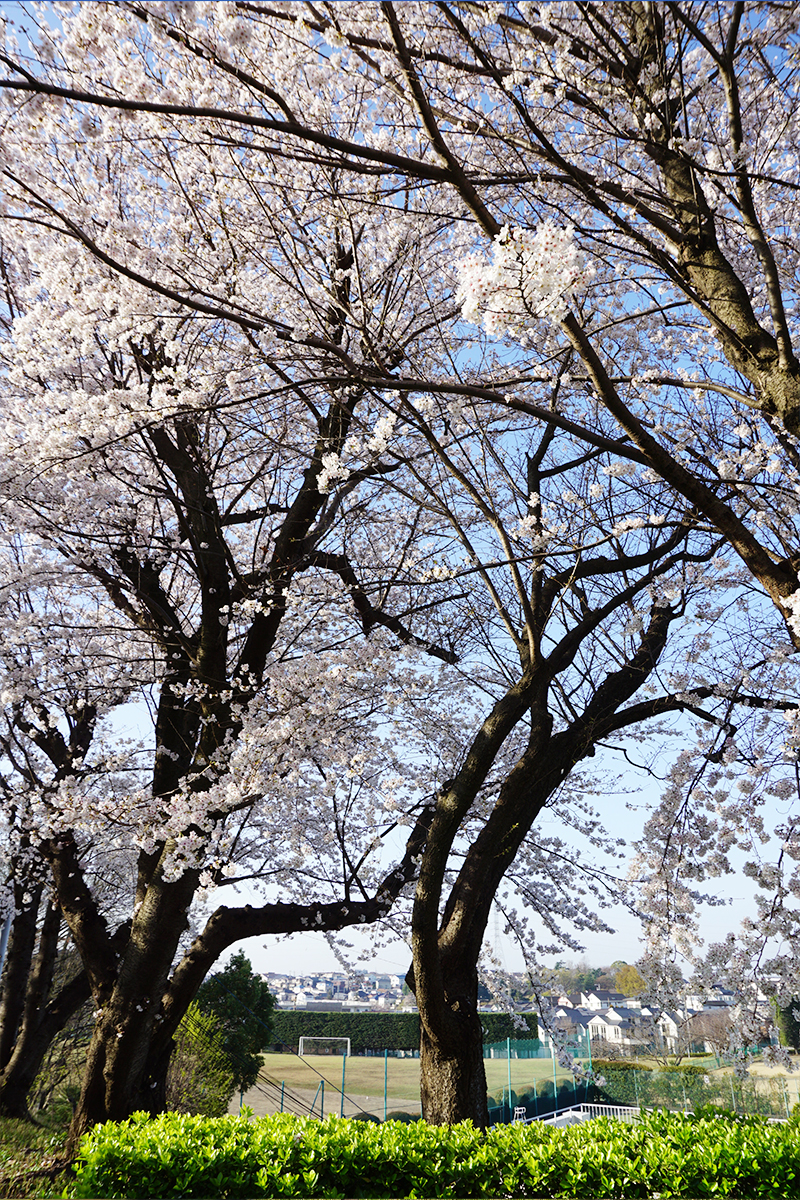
(791,1078)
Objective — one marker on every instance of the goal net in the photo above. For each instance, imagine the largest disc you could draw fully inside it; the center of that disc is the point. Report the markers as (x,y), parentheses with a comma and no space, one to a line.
(323,1045)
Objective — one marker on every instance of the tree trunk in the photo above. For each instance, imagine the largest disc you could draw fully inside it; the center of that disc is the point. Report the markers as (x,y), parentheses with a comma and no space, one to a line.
(116,1081)
(36,1022)
(452,1075)
(33,1042)
(19,956)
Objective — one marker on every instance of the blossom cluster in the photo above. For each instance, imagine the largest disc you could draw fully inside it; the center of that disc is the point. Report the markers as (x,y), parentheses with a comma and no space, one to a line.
(532,273)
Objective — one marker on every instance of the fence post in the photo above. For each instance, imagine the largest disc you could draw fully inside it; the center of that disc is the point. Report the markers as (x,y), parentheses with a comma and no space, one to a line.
(344,1064)
(636,1089)
(508,1052)
(314,1101)
(555,1085)
(733,1098)
(283,1088)
(385,1080)
(785,1097)
(535,1099)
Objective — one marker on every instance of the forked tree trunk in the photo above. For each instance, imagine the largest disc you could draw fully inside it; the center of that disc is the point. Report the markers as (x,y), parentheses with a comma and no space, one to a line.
(123,1074)
(124,1061)
(446,940)
(113,1084)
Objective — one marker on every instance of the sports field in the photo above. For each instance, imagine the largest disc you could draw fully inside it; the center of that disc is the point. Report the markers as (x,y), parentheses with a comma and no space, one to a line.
(366,1075)
(314,1083)
(297,1081)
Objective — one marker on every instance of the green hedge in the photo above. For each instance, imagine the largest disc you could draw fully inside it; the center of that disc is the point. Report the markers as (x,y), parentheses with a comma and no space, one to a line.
(602,1066)
(664,1154)
(377,1031)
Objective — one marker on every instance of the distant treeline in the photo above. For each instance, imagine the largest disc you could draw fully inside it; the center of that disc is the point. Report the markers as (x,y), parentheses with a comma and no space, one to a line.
(379,1031)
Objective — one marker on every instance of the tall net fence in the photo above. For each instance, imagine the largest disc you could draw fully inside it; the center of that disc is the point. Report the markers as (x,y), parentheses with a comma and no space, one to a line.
(689,1088)
(524,1078)
(526,1075)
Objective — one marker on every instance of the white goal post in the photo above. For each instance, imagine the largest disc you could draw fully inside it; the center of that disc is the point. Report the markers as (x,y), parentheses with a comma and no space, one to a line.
(323,1045)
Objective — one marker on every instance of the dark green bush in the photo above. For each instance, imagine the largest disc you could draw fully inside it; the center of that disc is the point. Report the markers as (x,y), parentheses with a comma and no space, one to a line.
(601,1066)
(666,1154)
(378,1031)
(690,1069)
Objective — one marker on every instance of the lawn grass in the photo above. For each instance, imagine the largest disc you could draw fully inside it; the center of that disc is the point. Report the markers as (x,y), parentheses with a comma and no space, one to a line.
(32,1162)
(365,1076)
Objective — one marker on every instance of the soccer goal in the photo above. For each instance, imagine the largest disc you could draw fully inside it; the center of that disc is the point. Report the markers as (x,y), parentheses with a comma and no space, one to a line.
(323,1045)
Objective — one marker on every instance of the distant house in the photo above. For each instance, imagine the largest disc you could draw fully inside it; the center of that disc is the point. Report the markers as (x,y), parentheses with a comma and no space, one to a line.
(571,1000)
(670,1026)
(619,1025)
(603,1028)
(570,1019)
(595,1001)
(717,995)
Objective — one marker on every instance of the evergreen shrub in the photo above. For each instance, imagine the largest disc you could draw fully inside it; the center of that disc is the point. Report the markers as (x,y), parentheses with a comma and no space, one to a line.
(377,1031)
(664,1154)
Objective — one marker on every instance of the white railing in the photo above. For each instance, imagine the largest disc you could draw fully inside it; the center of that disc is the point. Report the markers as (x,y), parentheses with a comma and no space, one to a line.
(618,1112)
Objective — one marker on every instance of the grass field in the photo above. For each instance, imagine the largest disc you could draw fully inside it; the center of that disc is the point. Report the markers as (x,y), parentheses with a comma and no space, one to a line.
(365,1076)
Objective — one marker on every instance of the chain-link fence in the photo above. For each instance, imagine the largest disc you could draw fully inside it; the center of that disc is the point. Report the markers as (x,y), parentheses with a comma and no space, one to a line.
(687,1088)
(526,1075)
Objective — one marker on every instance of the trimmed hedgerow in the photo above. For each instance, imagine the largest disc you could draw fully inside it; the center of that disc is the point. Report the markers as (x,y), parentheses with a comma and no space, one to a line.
(379,1031)
(664,1154)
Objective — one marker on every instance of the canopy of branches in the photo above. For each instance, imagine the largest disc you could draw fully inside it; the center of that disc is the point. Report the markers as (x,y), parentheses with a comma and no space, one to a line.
(402,399)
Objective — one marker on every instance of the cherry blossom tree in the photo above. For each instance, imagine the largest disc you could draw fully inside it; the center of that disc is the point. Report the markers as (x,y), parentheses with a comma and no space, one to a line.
(178,470)
(221,317)
(662,136)
(55,693)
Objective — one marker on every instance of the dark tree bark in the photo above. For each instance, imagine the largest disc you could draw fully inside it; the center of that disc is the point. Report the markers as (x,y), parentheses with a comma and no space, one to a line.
(34,1040)
(665,215)
(19,957)
(129,1052)
(41,1014)
(444,975)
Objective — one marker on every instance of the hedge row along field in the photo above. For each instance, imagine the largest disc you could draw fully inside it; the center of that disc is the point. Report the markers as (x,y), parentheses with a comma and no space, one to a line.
(380,1031)
(663,1155)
